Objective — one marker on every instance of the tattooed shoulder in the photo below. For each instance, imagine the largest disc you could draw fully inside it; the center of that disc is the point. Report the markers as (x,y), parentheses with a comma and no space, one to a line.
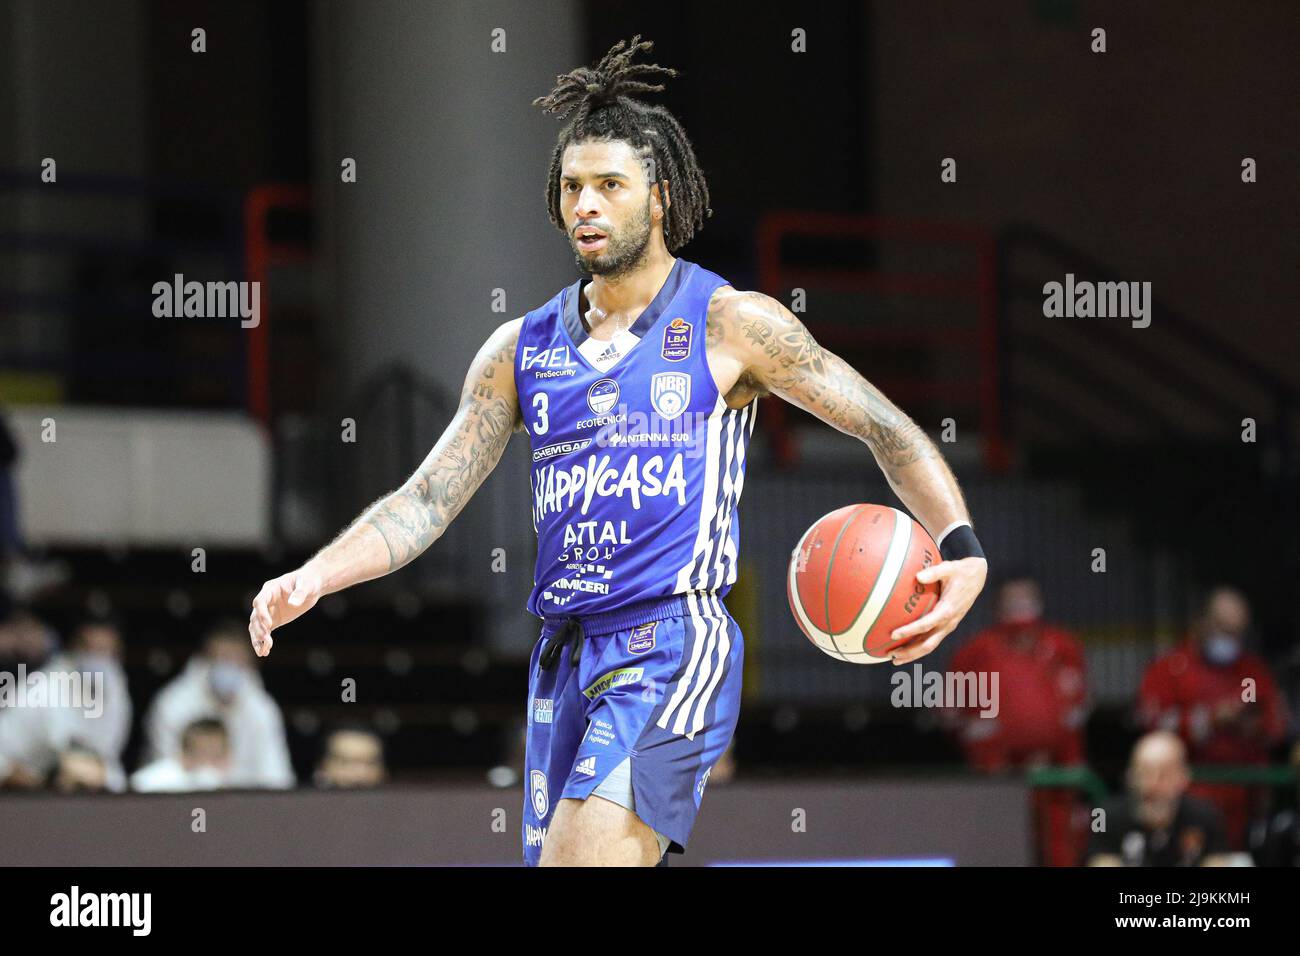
(778,350)
(727,312)
(781,355)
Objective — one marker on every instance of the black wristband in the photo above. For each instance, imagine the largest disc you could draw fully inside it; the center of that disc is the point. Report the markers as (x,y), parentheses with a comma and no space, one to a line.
(960,543)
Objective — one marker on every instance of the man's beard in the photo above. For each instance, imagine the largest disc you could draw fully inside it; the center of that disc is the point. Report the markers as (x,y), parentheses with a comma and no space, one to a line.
(624,252)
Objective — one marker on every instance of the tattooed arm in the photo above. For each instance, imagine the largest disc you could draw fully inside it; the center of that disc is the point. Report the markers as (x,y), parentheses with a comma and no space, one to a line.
(774,353)
(397,528)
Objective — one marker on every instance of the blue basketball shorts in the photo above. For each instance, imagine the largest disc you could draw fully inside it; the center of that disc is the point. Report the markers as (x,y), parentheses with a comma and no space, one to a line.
(653,698)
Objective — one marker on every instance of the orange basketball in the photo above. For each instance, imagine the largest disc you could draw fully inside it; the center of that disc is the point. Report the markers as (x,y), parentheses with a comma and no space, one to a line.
(852,581)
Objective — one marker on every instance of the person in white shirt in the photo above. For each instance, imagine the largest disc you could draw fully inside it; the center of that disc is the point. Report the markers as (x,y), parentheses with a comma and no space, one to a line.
(220,682)
(33,736)
(203,763)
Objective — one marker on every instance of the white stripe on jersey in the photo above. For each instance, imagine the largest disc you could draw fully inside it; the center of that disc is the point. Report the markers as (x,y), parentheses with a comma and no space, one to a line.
(723,470)
(721,492)
(735,452)
(708,498)
(729,545)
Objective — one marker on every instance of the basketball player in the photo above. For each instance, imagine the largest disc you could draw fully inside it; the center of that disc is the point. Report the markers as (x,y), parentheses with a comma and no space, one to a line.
(637,391)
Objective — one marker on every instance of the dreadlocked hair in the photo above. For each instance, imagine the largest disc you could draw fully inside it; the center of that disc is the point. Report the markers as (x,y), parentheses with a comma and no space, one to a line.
(603,108)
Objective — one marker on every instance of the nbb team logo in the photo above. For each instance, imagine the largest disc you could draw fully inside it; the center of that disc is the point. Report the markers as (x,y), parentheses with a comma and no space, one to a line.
(670,393)
(602,396)
(677,340)
(537,785)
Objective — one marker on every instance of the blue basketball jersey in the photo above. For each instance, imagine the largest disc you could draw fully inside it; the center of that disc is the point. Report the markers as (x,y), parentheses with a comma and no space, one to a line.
(636,469)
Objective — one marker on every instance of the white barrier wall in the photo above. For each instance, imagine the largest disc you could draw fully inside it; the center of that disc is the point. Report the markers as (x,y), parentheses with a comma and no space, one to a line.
(141,477)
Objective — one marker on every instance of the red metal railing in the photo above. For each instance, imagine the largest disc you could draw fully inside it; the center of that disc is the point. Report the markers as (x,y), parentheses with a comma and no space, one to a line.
(980,338)
(261,255)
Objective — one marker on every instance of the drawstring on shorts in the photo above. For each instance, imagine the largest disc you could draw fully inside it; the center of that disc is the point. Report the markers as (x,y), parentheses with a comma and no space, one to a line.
(570,631)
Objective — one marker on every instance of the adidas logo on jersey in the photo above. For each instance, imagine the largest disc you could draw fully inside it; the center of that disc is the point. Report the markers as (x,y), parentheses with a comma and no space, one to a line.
(609,353)
(586,767)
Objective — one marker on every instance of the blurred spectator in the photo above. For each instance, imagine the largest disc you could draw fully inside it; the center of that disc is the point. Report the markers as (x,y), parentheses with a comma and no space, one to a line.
(220,682)
(26,640)
(1042,705)
(1275,841)
(203,763)
(1158,823)
(87,701)
(78,769)
(1221,699)
(353,758)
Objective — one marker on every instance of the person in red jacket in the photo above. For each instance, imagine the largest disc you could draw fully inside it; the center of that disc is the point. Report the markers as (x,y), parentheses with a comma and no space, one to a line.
(1042,690)
(1221,699)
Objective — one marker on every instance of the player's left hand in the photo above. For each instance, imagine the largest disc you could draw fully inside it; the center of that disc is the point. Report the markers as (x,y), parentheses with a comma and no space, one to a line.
(961,583)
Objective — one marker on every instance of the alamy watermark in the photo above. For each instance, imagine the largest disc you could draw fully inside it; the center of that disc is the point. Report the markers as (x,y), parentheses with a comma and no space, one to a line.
(208,300)
(946,689)
(73,690)
(1102,300)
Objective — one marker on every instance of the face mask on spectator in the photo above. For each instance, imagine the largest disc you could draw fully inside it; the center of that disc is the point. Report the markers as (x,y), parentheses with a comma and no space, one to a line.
(225,679)
(1222,648)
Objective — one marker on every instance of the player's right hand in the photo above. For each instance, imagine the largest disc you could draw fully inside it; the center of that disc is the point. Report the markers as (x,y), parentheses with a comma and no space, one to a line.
(280,601)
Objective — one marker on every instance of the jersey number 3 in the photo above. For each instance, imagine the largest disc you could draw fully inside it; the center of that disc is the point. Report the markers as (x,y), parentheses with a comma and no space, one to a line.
(539,405)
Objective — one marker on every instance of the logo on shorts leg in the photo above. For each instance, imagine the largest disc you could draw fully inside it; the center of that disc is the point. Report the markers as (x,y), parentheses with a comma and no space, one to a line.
(699,787)
(642,638)
(615,678)
(537,787)
(543,710)
(586,767)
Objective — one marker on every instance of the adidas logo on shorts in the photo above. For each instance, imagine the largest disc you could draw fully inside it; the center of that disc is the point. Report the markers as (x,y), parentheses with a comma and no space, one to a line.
(586,767)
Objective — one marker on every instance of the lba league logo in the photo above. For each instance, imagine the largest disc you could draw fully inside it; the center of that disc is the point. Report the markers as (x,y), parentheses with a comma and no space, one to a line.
(677,340)
(670,393)
(642,638)
(602,396)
